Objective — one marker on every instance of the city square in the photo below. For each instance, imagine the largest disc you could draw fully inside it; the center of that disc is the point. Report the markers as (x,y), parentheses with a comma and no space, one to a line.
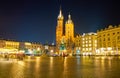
(59,39)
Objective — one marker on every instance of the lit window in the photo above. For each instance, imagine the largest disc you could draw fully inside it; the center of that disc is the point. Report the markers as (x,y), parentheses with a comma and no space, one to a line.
(86,45)
(83,49)
(90,45)
(90,49)
(89,41)
(86,49)
(95,41)
(83,39)
(83,45)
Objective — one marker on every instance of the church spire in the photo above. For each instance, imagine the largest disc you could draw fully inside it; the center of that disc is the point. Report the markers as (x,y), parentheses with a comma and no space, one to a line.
(60,14)
(69,19)
(60,11)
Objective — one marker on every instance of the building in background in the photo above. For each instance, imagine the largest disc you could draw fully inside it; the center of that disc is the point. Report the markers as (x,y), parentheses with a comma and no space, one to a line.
(9,46)
(109,41)
(77,49)
(88,43)
(32,48)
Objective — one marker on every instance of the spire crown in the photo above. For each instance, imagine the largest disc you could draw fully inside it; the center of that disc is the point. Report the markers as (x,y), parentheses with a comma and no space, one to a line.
(60,14)
(69,19)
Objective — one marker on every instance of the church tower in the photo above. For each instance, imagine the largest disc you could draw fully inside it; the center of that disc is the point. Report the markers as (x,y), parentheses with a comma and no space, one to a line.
(69,33)
(59,30)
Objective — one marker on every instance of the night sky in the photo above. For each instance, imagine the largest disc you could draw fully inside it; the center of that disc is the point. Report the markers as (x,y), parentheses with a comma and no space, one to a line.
(36,20)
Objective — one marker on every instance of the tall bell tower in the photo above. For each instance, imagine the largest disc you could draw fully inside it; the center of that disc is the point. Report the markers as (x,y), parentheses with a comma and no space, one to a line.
(59,30)
(69,33)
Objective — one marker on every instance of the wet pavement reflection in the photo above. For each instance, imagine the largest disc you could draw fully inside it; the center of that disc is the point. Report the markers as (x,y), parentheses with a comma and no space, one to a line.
(61,67)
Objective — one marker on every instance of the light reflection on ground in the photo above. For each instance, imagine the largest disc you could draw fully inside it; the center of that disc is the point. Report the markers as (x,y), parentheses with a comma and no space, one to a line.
(61,67)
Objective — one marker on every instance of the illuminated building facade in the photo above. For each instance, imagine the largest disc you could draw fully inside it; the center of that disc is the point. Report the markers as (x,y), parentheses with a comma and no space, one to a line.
(2,43)
(64,36)
(109,40)
(30,45)
(88,43)
(77,49)
(78,41)
(9,44)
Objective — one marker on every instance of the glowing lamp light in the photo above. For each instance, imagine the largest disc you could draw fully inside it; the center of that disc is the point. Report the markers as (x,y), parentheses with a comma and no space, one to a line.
(87,53)
(90,53)
(83,53)
(51,51)
(46,47)
(78,51)
(109,48)
(38,49)
(30,51)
